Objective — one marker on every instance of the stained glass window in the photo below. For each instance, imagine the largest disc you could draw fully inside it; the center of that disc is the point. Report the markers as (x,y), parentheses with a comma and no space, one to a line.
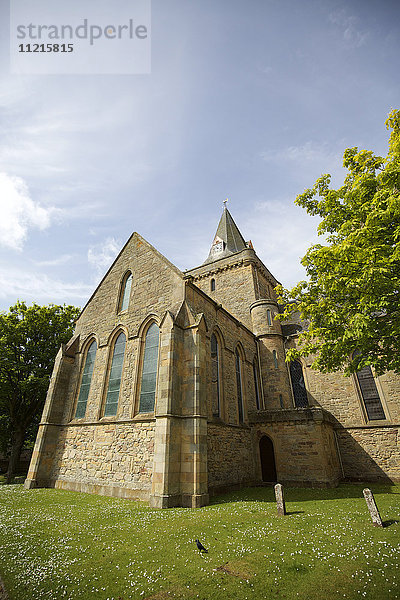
(114,381)
(126,292)
(149,370)
(298,385)
(85,381)
(239,385)
(215,376)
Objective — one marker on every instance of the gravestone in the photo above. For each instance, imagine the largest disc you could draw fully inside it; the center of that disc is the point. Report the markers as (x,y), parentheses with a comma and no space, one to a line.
(280,502)
(372,507)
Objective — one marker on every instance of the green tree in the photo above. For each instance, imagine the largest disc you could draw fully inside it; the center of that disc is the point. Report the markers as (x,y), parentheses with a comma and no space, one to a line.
(352,294)
(30,337)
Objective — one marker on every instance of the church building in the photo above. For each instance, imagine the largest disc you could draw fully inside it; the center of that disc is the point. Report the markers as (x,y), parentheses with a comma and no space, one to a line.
(175,387)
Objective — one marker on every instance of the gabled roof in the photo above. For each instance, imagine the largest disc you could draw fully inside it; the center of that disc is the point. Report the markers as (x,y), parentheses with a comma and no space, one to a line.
(229,236)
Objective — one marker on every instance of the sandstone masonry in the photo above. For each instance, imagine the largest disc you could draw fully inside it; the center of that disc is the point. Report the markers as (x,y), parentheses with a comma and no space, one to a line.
(189,392)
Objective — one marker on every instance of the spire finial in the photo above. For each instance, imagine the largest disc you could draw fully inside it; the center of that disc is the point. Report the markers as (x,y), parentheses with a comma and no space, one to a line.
(225,202)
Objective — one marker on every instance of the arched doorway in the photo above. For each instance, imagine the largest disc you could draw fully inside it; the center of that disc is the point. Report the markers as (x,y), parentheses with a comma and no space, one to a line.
(267,456)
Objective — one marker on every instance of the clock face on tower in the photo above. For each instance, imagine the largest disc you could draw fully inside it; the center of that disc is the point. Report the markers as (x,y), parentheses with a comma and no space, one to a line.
(218,247)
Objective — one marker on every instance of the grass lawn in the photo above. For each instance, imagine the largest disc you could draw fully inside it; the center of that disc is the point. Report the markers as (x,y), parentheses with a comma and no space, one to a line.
(58,545)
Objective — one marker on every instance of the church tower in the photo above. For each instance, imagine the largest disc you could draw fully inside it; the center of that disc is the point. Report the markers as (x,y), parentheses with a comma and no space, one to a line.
(235,277)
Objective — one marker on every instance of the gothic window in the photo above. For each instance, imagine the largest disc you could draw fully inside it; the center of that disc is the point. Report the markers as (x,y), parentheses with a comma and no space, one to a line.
(281,401)
(269,320)
(85,381)
(114,378)
(212,286)
(239,385)
(125,292)
(275,357)
(298,385)
(215,377)
(369,393)
(149,370)
(256,383)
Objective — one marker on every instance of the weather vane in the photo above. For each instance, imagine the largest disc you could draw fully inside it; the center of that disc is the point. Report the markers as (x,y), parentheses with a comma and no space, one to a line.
(225,201)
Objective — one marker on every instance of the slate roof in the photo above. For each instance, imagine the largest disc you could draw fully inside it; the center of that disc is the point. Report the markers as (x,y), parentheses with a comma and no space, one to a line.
(231,237)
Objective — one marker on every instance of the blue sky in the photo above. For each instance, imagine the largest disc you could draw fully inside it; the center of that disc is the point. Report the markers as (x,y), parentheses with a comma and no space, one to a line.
(251,100)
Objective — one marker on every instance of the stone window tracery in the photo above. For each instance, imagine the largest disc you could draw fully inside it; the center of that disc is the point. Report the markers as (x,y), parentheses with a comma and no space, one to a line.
(86,381)
(298,385)
(115,376)
(125,292)
(149,370)
(369,393)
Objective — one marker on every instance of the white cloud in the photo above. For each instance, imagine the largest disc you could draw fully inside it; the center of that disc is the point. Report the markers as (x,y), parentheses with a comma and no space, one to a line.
(19,212)
(309,151)
(25,285)
(352,35)
(55,262)
(102,255)
(309,161)
(281,233)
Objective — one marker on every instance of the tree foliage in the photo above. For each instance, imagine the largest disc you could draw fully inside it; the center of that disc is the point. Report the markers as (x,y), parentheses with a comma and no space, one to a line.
(352,294)
(30,338)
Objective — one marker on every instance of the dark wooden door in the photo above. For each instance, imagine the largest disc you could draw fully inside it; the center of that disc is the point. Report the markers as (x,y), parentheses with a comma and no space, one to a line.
(267,456)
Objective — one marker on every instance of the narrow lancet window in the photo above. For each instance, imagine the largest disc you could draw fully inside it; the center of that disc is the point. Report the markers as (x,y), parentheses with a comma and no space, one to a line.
(269,320)
(85,381)
(239,385)
(275,357)
(212,287)
(114,380)
(149,370)
(215,378)
(256,383)
(125,292)
(369,392)
(298,385)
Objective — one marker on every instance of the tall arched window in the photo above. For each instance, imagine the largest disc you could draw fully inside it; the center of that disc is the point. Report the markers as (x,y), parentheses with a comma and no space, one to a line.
(269,319)
(275,357)
(149,370)
(298,384)
(85,381)
(114,379)
(239,386)
(256,383)
(125,292)
(215,377)
(369,393)
(212,286)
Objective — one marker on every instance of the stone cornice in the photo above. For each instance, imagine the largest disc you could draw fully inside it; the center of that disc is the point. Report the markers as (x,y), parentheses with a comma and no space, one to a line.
(244,258)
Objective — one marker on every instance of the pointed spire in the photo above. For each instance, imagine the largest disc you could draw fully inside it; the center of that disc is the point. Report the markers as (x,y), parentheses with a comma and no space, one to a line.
(228,239)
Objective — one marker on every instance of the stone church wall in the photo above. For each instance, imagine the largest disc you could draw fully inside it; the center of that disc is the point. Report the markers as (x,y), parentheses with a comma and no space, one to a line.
(230,456)
(304,445)
(114,458)
(370,453)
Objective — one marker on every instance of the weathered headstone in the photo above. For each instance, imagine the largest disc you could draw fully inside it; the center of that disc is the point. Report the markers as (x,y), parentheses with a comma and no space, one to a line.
(372,507)
(280,502)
